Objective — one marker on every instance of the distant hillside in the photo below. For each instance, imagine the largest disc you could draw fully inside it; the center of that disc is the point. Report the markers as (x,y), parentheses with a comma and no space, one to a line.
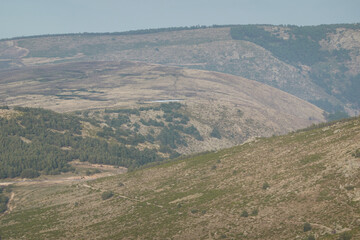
(303,185)
(316,63)
(236,108)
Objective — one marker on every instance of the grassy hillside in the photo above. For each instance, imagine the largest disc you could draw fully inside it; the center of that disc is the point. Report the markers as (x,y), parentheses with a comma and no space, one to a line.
(304,185)
(316,63)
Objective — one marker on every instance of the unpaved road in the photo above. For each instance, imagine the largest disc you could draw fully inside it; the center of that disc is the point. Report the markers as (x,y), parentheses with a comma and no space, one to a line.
(58,180)
(108,171)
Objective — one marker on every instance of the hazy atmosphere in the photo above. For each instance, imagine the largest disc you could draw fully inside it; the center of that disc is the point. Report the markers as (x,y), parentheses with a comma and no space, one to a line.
(25,18)
(164,119)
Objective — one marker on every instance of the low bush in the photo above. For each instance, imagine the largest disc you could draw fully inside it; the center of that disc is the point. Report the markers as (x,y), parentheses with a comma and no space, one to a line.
(310,237)
(265,186)
(345,236)
(244,214)
(307,227)
(106,195)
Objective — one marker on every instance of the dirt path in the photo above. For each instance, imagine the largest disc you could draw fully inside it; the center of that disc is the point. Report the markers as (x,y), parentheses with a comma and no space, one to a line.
(108,171)
(122,196)
(10,204)
(57,180)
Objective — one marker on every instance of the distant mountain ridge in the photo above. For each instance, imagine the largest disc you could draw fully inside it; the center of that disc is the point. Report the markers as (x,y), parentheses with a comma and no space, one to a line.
(316,63)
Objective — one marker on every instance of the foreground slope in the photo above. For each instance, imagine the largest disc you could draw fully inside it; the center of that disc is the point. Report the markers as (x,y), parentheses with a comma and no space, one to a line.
(282,183)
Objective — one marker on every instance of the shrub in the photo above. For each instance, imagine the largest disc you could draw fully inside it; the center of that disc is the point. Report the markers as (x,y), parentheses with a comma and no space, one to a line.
(307,227)
(310,237)
(3,203)
(193,211)
(244,214)
(265,185)
(345,236)
(215,133)
(106,195)
(92,172)
(254,212)
(240,113)
(357,153)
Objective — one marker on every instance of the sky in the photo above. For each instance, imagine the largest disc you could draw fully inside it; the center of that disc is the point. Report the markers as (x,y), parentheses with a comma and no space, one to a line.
(36,17)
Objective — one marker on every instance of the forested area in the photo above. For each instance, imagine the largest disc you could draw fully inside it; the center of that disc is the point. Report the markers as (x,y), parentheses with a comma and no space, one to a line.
(42,141)
(37,141)
(302,47)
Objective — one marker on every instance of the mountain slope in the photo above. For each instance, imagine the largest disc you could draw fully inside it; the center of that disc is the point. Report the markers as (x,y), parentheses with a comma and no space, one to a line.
(237,107)
(265,189)
(316,63)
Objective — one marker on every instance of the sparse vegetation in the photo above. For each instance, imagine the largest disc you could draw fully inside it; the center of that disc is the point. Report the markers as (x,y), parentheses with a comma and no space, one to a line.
(185,194)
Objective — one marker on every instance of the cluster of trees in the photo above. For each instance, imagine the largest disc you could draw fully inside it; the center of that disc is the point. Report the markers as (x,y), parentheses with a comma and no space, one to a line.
(302,46)
(39,141)
(42,141)
(172,122)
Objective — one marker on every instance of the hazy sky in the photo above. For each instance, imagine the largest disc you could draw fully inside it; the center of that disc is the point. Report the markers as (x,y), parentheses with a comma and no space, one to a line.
(34,17)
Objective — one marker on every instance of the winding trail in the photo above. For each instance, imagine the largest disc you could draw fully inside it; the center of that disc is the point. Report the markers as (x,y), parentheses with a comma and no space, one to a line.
(123,197)
(10,204)
(69,179)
